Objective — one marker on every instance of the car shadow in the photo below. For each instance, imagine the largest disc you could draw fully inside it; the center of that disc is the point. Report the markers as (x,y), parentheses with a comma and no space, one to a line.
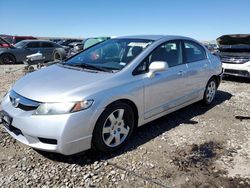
(145,133)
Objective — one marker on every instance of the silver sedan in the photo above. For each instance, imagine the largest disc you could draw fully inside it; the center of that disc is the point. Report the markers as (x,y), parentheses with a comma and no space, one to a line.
(96,98)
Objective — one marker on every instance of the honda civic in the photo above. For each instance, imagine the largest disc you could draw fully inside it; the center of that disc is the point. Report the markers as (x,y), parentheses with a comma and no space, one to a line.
(97,98)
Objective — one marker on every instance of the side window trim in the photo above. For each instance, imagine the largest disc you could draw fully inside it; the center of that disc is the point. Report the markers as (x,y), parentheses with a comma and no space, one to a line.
(184,52)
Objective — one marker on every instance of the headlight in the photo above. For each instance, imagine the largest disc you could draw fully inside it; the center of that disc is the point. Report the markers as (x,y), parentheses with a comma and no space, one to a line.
(62,108)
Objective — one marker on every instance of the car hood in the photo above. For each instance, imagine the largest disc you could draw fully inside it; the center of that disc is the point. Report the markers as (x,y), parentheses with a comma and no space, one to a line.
(5,49)
(57,83)
(234,44)
(238,39)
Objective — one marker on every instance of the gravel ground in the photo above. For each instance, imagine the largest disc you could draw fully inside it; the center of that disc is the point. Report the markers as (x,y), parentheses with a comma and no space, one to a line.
(193,147)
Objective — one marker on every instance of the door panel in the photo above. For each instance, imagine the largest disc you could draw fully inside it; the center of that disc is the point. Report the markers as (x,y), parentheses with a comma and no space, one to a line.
(47,50)
(165,91)
(32,48)
(197,75)
(197,63)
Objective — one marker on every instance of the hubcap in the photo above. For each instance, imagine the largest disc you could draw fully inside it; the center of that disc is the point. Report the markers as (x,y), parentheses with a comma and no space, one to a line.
(115,131)
(211,90)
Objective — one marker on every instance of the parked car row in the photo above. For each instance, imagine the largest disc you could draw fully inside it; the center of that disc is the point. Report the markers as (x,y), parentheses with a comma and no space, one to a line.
(15,49)
(76,47)
(15,39)
(17,53)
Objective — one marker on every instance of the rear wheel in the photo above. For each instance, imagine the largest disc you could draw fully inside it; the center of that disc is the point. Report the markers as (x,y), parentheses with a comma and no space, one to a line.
(7,59)
(210,92)
(113,128)
(57,56)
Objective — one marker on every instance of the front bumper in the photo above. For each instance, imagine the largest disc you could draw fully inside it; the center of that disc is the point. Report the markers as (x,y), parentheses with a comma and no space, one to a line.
(66,134)
(241,70)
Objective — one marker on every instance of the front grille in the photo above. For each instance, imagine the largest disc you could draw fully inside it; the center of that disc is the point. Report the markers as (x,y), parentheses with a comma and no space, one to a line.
(23,103)
(236,72)
(234,59)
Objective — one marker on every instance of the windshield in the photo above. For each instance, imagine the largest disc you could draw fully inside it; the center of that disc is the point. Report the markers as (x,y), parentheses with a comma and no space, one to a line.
(20,44)
(112,54)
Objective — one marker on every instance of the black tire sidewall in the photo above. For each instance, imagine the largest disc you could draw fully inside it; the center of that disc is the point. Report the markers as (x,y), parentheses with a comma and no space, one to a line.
(97,140)
(205,93)
(56,53)
(8,55)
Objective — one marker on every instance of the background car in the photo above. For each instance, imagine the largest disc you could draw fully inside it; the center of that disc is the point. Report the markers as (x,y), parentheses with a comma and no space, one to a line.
(234,52)
(4,43)
(76,47)
(51,51)
(15,39)
(92,41)
(66,42)
(211,47)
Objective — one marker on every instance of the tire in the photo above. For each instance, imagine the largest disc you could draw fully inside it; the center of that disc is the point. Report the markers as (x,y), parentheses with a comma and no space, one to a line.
(57,56)
(210,92)
(7,59)
(111,131)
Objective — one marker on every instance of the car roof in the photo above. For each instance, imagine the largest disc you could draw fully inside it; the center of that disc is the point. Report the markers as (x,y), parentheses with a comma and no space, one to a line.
(36,41)
(153,37)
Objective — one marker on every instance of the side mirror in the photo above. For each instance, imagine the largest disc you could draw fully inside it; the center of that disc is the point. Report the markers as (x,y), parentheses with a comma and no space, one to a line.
(157,66)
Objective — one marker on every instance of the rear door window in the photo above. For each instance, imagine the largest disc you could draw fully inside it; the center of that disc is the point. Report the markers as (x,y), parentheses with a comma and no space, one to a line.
(193,52)
(47,45)
(33,45)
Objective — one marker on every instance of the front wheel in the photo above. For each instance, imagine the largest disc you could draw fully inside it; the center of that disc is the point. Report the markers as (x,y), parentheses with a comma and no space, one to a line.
(7,59)
(113,128)
(210,92)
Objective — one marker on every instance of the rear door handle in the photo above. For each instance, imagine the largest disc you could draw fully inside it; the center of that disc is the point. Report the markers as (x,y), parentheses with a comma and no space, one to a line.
(181,73)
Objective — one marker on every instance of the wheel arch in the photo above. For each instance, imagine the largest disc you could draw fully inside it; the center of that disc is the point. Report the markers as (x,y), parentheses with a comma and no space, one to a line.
(217,79)
(60,51)
(131,104)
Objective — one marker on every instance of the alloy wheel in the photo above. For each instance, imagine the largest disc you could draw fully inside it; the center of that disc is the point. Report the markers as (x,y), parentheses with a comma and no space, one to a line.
(115,130)
(211,90)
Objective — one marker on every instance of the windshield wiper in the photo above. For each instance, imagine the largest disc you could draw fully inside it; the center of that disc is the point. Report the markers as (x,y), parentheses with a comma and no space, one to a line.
(88,66)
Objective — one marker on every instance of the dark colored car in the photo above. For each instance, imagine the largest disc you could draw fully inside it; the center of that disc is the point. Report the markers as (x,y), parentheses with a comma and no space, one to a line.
(15,39)
(4,43)
(17,53)
(66,42)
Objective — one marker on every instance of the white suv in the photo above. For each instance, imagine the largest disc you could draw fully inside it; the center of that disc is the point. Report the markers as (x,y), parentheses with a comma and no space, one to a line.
(235,54)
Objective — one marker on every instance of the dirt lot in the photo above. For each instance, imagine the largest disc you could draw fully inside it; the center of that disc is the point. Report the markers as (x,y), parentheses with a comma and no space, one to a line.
(194,147)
